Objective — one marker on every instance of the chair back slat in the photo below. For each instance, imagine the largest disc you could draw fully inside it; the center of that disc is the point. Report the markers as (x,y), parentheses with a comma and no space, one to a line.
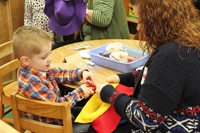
(9,67)
(6,49)
(42,108)
(36,127)
(8,78)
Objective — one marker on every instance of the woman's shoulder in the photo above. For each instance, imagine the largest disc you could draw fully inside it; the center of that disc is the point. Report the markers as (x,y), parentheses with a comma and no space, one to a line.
(175,51)
(173,48)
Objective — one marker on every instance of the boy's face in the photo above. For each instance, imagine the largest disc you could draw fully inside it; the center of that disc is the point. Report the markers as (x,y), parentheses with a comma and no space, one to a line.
(42,60)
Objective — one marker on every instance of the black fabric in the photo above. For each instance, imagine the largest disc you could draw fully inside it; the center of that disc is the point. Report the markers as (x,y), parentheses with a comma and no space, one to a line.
(127,79)
(152,99)
(106,93)
(120,104)
(64,90)
(121,128)
(80,128)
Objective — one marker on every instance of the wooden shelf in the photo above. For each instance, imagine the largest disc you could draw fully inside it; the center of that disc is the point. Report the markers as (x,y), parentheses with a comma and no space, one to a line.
(134,20)
(127,4)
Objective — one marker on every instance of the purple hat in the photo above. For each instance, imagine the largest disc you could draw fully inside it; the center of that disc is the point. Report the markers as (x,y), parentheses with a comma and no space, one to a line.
(65,16)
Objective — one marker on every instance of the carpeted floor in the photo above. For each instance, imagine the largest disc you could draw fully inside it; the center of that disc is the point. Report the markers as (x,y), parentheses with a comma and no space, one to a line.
(9,115)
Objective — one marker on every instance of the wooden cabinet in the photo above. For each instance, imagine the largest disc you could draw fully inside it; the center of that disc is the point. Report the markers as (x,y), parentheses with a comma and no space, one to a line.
(11,12)
(5,21)
(132,21)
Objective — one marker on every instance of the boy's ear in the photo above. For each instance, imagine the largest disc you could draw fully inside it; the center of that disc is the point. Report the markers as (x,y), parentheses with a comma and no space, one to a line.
(25,60)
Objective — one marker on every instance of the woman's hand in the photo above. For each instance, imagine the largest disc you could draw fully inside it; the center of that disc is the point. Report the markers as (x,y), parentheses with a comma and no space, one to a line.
(99,88)
(113,79)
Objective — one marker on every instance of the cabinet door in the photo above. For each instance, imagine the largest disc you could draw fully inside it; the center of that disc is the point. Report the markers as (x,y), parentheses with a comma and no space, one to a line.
(17,13)
(6,29)
(12,15)
(6,32)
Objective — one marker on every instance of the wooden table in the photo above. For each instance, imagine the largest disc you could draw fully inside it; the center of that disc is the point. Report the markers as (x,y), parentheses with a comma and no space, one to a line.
(5,128)
(72,57)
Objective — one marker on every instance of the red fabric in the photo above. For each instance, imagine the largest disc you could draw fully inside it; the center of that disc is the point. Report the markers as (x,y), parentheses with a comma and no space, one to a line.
(108,122)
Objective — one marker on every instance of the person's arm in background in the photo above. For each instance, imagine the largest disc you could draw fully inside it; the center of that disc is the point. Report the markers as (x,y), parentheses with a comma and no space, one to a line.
(102,12)
(27,13)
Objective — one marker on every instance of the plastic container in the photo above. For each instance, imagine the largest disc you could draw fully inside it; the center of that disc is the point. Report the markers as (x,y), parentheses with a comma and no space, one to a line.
(118,65)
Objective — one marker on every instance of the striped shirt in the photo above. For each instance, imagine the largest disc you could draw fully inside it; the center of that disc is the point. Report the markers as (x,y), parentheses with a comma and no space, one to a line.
(43,86)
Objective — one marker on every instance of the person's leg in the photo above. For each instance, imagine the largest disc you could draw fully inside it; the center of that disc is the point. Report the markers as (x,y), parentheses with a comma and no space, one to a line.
(91,130)
(64,90)
(80,128)
(121,128)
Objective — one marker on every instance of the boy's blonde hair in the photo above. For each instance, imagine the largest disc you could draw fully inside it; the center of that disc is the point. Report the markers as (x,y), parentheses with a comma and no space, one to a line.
(28,41)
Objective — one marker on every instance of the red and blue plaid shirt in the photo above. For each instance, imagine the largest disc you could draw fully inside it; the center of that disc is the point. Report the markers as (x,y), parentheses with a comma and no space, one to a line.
(43,86)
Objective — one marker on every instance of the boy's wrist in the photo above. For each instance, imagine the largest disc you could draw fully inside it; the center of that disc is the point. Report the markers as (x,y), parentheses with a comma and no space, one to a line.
(81,73)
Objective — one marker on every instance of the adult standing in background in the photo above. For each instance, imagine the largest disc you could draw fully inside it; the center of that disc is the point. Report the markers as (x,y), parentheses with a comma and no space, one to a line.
(105,19)
(65,17)
(34,16)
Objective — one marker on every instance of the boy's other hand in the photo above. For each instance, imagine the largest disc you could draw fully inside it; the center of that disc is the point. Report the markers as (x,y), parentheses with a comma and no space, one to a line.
(88,91)
(87,76)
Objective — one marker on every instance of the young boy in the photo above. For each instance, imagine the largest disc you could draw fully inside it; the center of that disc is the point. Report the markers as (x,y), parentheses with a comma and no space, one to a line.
(32,46)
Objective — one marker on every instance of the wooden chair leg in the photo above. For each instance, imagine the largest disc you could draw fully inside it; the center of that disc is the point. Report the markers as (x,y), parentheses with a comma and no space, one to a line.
(1,111)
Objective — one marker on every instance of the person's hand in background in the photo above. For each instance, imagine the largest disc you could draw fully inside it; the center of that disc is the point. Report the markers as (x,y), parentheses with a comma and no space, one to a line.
(88,16)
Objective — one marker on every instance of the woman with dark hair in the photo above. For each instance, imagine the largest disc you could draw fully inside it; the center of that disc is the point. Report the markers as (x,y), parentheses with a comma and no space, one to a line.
(167,89)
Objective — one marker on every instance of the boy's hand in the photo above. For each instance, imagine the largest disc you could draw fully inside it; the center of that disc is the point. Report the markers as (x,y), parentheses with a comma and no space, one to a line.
(88,91)
(113,79)
(91,84)
(87,76)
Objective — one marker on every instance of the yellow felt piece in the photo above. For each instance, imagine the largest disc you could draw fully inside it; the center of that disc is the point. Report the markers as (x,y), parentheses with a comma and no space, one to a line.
(93,109)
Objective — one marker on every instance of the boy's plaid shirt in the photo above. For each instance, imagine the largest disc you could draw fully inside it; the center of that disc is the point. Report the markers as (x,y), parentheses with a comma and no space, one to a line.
(44,86)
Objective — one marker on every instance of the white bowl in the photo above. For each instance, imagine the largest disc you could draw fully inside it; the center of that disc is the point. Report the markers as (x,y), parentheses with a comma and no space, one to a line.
(119,55)
(115,46)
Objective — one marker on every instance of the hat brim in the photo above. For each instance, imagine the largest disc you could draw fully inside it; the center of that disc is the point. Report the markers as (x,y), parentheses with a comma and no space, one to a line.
(73,25)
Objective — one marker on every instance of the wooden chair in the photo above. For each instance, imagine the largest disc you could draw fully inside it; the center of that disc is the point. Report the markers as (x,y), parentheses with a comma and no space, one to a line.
(9,87)
(41,108)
